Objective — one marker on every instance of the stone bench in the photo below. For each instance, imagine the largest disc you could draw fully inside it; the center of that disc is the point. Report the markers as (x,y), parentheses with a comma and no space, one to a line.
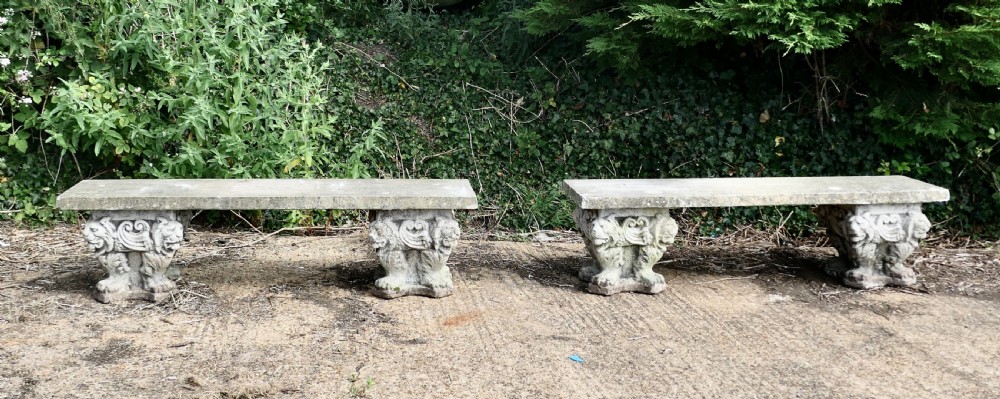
(136,226)
(875,222)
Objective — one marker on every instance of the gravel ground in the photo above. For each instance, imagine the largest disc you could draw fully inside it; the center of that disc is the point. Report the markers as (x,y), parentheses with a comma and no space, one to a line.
(286,315)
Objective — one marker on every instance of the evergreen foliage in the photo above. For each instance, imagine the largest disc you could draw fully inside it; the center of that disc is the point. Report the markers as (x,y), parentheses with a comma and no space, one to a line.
(335,88)
(164,89)
(926,73)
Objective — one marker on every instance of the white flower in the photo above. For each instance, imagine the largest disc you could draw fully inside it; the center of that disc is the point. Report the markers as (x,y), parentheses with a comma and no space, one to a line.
(25,100)
(3,21)
(4,61)
(22,76)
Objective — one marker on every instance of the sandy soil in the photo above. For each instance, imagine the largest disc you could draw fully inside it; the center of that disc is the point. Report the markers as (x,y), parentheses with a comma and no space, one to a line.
(291,316)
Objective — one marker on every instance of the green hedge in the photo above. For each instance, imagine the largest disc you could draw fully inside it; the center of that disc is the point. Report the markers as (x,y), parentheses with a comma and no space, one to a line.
(410,92)
(516,121)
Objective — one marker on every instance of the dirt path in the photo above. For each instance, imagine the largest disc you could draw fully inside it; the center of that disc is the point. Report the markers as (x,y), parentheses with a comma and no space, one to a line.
(290,317)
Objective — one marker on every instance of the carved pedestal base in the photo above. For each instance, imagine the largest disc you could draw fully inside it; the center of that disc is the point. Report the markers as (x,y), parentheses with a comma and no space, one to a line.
(873,242)
(625,243)
(136,248)
(413,248)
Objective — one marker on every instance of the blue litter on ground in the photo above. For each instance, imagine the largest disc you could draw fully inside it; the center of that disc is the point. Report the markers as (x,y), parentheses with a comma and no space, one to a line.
(576,358)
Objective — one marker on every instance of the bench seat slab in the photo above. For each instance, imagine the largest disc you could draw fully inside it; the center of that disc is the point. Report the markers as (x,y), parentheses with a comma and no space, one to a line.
(750,191)
(625,244)
(227,194)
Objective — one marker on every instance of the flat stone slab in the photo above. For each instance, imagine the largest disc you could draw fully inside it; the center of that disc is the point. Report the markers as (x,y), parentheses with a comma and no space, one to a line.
(750,191)
(192,194)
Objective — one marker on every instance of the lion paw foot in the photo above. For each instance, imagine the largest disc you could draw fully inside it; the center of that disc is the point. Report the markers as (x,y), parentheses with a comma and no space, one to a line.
(650,278)
(114,284)
(159,284)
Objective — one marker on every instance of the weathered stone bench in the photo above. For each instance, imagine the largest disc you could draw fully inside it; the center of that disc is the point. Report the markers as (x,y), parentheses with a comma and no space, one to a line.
(136,226)
(875,222)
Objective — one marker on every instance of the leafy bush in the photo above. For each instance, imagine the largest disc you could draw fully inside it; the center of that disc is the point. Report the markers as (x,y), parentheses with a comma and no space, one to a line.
(400,90)
(468,96)
(173,89)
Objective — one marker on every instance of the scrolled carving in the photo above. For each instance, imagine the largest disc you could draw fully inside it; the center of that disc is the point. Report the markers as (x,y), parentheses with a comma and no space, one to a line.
(413,247)
(625,245)
(415,234)
(136,249)
(636,231)
(134,236)
(873,242)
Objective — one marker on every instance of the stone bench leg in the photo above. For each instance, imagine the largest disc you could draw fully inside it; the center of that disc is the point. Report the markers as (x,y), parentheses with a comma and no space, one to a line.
(625,244)
(413,247)
(136,248)
(873,242)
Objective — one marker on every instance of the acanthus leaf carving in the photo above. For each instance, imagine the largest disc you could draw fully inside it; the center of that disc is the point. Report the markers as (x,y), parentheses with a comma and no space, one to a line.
(636,230)
(415,234)
(134,236)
